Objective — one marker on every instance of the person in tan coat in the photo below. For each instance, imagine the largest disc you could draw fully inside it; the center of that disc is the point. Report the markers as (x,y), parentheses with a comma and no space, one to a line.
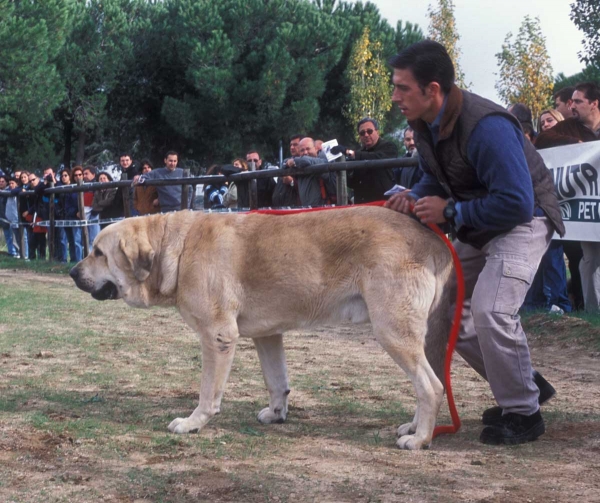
(145,198)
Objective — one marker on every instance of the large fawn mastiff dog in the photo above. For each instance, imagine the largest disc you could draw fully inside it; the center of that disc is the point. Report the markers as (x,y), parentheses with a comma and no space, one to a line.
(254,275)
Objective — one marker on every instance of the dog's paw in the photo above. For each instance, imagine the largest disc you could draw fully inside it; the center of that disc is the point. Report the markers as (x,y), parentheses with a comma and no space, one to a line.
(183,425)
(412,443)
(406,429)
(267,416)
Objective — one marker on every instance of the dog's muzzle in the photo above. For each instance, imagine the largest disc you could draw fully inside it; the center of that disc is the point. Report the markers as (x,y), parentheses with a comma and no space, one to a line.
(107,292)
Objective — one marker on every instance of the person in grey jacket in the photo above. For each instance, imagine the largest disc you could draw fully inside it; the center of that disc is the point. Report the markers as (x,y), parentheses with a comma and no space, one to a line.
(312,187)
(169,196)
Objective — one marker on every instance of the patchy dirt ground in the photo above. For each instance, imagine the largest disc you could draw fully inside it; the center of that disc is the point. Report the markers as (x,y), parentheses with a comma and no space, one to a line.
(85,401)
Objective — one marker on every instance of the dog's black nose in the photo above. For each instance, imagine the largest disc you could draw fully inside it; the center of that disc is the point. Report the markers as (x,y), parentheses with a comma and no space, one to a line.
(74,273)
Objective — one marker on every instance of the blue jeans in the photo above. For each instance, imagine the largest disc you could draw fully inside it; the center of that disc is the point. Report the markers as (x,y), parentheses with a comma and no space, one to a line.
(24,253)
(8,237)
(70,238)
(93,230)
(549,286)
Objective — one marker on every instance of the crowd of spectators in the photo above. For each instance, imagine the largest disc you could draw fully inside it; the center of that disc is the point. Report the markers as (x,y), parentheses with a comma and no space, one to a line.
(575,118)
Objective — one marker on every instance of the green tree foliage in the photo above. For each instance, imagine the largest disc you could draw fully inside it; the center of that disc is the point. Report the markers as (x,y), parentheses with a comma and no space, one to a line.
(31,36)
(525,71)
(590,73)
(370,89)
(586,15)
(97,52)
(442,29)
(81,80)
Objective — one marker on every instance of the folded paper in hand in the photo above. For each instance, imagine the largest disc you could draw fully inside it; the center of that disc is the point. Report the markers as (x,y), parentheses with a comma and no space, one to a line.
(394,190)
(326,147)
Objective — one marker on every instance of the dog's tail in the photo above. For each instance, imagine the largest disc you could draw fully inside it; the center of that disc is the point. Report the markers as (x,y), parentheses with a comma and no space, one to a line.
(440,322)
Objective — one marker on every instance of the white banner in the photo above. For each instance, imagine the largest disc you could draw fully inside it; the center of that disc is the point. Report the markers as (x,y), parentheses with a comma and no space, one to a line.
(575,170)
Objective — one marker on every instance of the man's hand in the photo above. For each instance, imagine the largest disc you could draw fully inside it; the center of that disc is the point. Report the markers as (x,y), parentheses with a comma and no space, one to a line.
(155,203)
(401,202)
(287,180)
(290,163)
(430,210)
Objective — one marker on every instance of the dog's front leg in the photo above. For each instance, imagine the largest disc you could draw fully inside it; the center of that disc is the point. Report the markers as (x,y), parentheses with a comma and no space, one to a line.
(272,360)
(218,350)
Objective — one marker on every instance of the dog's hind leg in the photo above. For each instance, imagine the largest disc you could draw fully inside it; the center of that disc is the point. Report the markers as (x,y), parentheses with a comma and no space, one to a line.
(218,350)
(272,360)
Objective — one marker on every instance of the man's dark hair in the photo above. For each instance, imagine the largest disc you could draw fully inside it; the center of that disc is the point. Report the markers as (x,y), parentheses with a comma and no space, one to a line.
(565,94)
(6,178)
(365,120)
(171,152)
(125,154)
(407,130)
(254,151)
(590,90)
(293,137)
(429,62)
(91,169)
(522,112)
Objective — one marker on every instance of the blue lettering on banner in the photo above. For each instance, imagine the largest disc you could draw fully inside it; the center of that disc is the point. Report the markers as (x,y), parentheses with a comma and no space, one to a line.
(580,210)
(568,179)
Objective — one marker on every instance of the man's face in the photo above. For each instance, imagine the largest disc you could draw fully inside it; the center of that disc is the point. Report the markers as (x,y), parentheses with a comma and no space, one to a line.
(255,158)
(582,108)
(368,135)
(88,176)
(17,175)
(409,97)
(125,161)
(563,108)
(48,171)
(409,141)
(12,184)
(2,183)
(171,162)
(33,180)
(294,147)
(307,147)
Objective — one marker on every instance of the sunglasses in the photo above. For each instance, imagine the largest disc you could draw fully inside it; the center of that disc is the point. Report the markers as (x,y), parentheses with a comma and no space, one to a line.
(78,174)
(252,160)
(366,131)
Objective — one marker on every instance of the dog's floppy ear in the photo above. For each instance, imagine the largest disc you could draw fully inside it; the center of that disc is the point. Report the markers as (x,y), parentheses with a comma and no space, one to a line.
(140,255)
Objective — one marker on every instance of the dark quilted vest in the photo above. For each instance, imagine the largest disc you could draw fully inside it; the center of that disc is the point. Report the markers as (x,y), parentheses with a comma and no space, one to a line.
(449,163)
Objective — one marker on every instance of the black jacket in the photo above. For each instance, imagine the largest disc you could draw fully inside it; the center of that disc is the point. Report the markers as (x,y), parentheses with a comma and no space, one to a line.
(370,185)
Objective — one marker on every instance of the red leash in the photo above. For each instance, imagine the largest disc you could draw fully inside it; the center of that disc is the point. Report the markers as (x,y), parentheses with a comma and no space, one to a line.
(460,297)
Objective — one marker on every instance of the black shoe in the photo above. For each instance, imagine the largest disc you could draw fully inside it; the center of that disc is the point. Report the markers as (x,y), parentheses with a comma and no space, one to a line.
(492,415)
(514,429)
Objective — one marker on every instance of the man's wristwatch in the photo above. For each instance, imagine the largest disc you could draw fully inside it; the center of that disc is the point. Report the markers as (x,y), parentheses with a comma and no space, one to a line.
(450,212)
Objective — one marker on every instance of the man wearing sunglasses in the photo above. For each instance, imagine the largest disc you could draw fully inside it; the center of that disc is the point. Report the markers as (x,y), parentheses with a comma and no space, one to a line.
(370,185)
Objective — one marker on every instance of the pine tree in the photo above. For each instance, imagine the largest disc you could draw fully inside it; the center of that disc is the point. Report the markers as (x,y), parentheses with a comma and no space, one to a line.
(442,29)
(525,71)
(370,89)
(586,15)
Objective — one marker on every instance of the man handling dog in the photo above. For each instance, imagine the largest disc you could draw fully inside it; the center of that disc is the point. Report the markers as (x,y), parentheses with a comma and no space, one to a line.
(483,177)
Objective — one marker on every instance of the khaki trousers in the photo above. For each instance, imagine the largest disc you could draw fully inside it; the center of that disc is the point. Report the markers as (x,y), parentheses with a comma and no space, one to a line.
(589,268)
(492,340)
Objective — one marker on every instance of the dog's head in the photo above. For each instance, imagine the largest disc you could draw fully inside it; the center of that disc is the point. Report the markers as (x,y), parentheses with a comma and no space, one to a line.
(119,265)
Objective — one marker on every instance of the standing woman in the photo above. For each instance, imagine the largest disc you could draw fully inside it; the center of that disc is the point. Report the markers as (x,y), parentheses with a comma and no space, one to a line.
(67,209)
(103,203)
(548,291)
(572,249)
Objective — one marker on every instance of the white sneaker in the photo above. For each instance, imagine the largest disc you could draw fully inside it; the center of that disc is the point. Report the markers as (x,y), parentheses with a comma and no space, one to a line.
(556,310)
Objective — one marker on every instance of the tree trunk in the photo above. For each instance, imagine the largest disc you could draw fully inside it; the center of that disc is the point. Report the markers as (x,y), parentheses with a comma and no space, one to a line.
(68,133)
(80,148)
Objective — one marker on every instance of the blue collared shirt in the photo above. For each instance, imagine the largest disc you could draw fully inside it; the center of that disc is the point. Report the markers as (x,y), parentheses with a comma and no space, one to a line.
(496,150)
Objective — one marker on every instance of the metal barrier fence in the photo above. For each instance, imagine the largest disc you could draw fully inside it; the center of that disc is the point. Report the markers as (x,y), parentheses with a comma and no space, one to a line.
(186,181)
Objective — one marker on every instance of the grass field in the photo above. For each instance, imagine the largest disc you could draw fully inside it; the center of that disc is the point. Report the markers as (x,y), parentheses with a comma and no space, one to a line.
(87,389)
